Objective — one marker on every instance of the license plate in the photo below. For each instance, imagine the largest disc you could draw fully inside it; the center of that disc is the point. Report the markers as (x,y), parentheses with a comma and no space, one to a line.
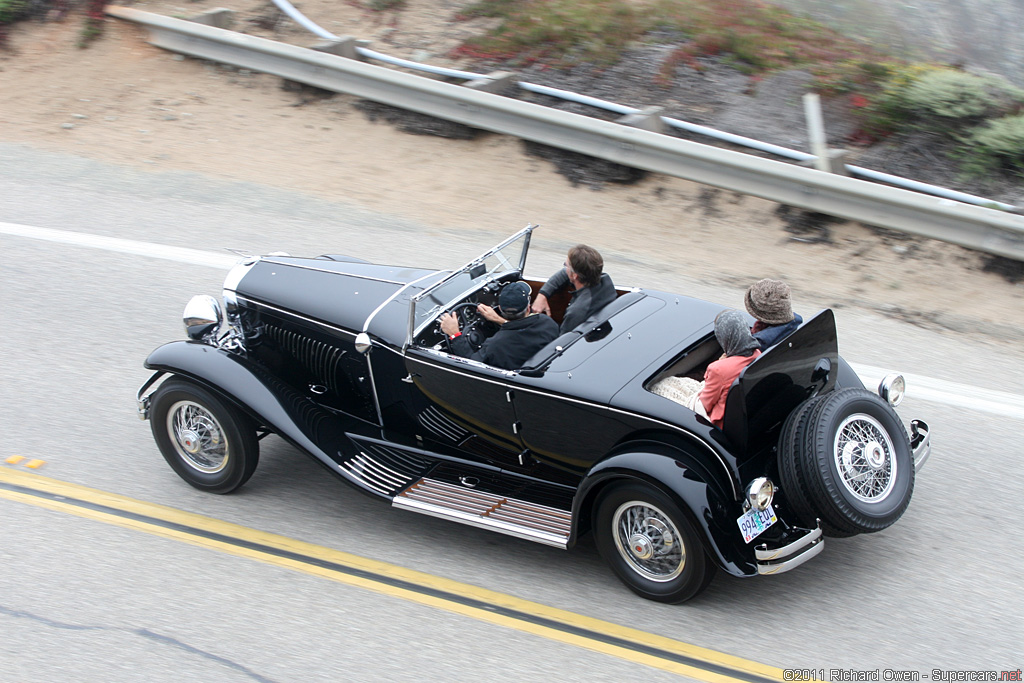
(754,522)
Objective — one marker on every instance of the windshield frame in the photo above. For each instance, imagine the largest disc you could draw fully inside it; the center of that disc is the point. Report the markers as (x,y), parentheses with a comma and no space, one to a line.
(488,276)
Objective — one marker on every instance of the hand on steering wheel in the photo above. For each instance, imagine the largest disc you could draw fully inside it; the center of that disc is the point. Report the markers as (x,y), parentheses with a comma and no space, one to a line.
(465,315)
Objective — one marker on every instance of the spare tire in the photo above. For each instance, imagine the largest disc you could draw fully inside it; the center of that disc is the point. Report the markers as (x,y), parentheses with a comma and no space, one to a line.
(856,462)
(791,478)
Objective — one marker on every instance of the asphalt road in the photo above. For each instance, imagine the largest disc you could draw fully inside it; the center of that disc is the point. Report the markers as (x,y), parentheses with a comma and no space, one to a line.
(81,599)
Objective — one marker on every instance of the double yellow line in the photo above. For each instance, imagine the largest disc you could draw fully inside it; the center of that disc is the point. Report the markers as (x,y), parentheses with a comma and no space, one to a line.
(478,603)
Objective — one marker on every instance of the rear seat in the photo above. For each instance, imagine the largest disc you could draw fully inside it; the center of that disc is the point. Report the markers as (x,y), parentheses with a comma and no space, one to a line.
(540,359)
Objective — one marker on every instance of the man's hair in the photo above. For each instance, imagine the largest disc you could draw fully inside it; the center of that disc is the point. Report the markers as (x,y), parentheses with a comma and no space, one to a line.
(587,263)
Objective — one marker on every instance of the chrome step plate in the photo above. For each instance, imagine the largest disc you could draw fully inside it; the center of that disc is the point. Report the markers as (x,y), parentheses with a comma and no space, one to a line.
(511,516)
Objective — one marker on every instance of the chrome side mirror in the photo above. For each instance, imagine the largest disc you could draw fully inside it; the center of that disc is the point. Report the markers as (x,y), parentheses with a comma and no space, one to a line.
(202,315)
(363,343)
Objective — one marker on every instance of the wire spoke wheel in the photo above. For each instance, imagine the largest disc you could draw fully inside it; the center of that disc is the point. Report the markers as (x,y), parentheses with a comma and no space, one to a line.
(207,441)
(648,541)
(864,455)
(845,459)
(198,437)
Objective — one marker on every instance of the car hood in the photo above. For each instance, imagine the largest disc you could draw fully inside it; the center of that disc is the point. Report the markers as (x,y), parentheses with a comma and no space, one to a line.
(343,293)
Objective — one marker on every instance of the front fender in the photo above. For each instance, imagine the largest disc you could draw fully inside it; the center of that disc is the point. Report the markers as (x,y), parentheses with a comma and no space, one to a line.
(267,399)
(681,475)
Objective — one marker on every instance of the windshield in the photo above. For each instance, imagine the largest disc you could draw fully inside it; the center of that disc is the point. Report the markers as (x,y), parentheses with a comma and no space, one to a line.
(498,262)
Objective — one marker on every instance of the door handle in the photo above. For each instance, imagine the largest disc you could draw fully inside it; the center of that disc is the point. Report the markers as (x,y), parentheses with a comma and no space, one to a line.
(409,379)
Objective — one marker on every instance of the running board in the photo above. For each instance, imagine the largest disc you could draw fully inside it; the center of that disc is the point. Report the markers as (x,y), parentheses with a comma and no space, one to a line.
(511,516)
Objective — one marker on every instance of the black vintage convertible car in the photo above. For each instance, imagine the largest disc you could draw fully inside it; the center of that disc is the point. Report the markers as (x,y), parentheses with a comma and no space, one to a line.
(345,359)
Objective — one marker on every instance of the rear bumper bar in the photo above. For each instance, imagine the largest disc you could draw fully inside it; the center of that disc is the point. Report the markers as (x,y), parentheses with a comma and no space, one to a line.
(794,554)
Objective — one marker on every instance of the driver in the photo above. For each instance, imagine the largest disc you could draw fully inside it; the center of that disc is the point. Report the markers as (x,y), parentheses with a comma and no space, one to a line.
(519,336)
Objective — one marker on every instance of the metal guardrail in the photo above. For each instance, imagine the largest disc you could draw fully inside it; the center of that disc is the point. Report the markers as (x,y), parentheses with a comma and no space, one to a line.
(980,228)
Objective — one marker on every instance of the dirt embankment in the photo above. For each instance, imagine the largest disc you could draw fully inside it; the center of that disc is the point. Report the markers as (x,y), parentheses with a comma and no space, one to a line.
(126,102)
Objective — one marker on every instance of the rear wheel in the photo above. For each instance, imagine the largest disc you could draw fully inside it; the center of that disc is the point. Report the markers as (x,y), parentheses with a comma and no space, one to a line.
(650,544)
(209,443)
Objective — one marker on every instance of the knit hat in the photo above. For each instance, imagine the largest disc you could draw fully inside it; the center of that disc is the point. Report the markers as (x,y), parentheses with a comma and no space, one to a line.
(768,301)
(514,299)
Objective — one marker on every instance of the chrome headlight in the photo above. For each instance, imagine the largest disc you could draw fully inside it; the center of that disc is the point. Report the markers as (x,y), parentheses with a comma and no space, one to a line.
(202,315)
(760,493)
(892,388)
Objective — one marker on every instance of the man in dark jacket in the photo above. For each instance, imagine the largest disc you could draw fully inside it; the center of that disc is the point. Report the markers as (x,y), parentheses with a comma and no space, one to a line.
(592,288)
(519,336)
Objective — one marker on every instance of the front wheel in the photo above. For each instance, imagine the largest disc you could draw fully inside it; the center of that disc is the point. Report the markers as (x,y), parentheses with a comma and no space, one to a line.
(206,441)
(649,543)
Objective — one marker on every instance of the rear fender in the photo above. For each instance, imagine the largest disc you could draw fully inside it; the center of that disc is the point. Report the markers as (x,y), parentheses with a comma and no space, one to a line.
(683,477)
(268,400)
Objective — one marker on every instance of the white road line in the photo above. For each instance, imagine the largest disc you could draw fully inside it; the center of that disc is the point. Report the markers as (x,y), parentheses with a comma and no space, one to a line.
(918,387)
(949,393)
(80,239)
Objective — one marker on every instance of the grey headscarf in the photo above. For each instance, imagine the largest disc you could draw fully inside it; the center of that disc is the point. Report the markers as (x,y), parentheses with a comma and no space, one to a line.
(733,334)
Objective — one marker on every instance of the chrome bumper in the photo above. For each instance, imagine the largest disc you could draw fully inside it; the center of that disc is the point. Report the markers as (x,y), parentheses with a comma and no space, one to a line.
(778,560)
(920,443)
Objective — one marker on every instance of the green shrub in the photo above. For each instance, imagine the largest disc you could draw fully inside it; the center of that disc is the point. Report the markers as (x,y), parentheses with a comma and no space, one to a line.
(999,143)
(942,99)
(958,95)
(11,10)
(383,5)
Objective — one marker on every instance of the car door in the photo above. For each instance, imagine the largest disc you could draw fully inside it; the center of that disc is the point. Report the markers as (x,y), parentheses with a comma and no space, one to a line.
(464,405)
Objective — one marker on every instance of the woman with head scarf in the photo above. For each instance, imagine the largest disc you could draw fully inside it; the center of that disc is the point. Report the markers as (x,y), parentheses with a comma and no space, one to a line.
(707,398)
(739,349)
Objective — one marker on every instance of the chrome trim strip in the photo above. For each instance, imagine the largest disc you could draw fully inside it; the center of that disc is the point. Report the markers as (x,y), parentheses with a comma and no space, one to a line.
(364,481)
(810,552)
(299,316)
(763,554)
(433,420)
(481,522)
(366,325)
(331,272)
(718,456)
(921,443)
(238,271)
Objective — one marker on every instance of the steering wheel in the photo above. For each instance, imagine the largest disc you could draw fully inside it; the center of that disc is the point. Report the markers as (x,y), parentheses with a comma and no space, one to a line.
(468,318)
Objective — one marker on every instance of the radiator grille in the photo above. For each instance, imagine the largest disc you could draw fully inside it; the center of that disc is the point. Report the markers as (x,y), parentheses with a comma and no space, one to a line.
(322,360)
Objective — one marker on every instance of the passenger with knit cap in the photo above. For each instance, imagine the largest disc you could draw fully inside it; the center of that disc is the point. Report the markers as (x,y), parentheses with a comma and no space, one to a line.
(769,302)
(519,336)
(707,398)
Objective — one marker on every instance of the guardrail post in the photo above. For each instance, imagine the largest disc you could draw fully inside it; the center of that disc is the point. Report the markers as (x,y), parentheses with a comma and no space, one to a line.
(646,119)
(825,159)
(344,46)
(494,82)
(219,17)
